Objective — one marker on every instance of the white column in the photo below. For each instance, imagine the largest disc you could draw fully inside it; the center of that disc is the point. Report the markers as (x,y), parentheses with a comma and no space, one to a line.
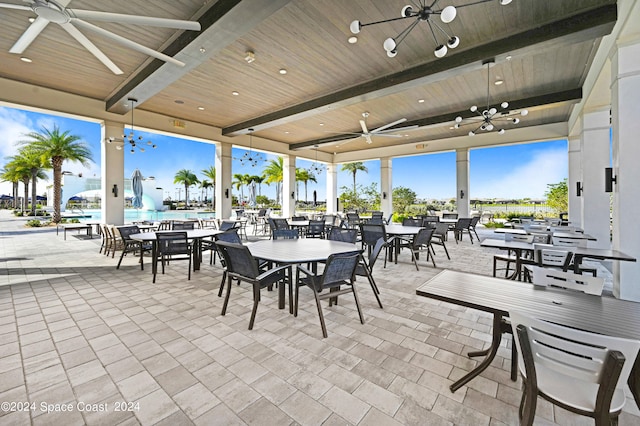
(625,109)
(112,174)
(289,186)
(332,188)
(462,182)
(386,186)
(223,180)
(594,145)
(575,175)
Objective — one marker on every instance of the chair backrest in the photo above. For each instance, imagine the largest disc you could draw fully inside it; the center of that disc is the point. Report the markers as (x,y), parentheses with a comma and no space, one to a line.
(441,229)
(238,259)
(422,238)
(173,243)
(564,229)
(371,233)
(553,221)
(567,352)
(344,235)
(225,225)
(463,223)
(280,223)
(125,231)
(298,218)
(474,221)
(532,226)
(411,222)
(540,238)
(373,256)
(182,225)
(262,212)
(548,255)
(353,220)
(569,242)
(285,234)
(164,225)
(518,237)
(340,267)
(585,283)
(376,221)
(376,215)
(230,236)
(330,219)
(316,227)
(449,215)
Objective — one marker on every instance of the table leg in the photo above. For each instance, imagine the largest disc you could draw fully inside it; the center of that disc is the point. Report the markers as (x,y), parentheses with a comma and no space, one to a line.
(491,353)
(197,253)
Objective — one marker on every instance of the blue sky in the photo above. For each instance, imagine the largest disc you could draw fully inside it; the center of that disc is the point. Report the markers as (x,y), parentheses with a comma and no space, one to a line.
(517,171)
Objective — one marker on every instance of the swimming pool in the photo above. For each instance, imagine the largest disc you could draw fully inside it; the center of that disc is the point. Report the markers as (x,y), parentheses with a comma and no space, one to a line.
(131,215)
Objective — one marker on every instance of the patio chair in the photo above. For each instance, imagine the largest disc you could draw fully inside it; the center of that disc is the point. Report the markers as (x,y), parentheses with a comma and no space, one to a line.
(371,234)
(180,226)
(582,372)
(115,239)
(316,229)
(230,236)
(353,220)
(430,221)
(132,246)
(344,235)
(450,215)
(339,271)
(365,268)
(569,280)
(419,243)
(241,265)
(460,227)
(226,225)
(172,246)
(411,222)
(510,257)
(439,236)
(472,227)
(547,256)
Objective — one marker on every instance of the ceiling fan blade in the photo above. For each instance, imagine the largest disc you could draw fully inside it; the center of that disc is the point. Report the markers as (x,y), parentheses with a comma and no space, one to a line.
(346,142)
(126,42)
(387,135)
(135,19)
(386,126)
(75,33)
(344,133)
(14,6)
(368,138)
(399,129)
(29,35)
(364,126)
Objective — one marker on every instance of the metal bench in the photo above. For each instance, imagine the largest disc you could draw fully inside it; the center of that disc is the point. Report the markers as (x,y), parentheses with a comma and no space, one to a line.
(77,226)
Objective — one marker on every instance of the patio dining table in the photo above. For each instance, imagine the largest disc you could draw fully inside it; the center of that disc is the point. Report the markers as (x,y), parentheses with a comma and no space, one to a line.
(399,231)
(603,315)
(297,251)
(196,235)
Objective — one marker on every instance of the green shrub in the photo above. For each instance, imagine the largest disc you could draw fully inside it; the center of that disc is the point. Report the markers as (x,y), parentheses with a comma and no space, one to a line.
(493,225)
(34,223)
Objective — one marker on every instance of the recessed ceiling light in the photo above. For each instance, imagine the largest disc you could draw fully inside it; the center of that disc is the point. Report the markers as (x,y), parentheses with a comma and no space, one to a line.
(322,124)
(32,20)
(286,133)
(282,71)
(234,93)
(202,50)
(353,40)
(420,101)
(498,82)
(25,59)
(178,101)
(509,57)
(201,108)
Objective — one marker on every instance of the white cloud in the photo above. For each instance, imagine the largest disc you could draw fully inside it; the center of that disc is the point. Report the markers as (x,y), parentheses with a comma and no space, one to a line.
(530,180)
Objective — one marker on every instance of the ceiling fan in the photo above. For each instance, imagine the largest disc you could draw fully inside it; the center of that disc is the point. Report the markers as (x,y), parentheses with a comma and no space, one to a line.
(70,19)
(380,131)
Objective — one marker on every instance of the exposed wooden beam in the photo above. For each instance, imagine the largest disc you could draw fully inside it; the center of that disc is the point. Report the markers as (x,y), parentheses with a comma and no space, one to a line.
(222,24)
(572,95)
(583,26)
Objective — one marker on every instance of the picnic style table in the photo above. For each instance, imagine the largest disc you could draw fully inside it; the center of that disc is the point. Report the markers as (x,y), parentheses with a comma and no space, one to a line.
(77,226)
(597,314)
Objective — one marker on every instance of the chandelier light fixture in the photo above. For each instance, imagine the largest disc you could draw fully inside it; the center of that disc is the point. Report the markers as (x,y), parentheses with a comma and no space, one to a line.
(316,168)
(131,138)
(423,13)
(491,117)
(250,158)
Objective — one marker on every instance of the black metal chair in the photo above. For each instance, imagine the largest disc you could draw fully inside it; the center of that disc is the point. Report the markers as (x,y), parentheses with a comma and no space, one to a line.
(315,229)
(242,266)
(341,234)
(172,246)
(419,243)
(365,268)
(371,234)
(339,271)
(132,246)
(226,225)
(179,226)
(472,226)
(462,226)
(230,236)
(439,236)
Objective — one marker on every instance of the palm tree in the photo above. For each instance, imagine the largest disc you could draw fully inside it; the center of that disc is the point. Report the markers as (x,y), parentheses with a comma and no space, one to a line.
(258,180)
(187,178)
(354,168)
(10,174)
(273,173)
(304,176)
(210,174)
(55,147)
(205,185)
(22,173)
(36,167)
(240,181)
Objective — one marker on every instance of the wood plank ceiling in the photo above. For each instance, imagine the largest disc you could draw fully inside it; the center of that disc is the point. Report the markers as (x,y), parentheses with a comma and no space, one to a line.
(543,50)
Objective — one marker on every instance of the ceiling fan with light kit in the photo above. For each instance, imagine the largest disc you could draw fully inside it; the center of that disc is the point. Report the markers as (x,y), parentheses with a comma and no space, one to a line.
(382,131)
(71,20)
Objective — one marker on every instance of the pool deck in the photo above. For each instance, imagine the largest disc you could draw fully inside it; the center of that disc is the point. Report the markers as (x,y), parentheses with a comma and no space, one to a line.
(76,330)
